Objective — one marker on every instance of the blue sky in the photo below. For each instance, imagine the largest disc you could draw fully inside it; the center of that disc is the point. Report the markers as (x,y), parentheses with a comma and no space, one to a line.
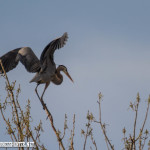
(107,51)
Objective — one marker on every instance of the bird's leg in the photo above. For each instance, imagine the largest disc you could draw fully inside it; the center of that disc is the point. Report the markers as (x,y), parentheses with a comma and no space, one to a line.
(41,100)
(36,91)
(46,85)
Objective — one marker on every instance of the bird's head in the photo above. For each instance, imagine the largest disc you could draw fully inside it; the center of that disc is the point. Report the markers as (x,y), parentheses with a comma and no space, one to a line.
(64,69)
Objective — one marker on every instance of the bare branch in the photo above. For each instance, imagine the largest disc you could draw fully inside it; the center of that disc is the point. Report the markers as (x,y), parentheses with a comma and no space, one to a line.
(13,101)
(72,133)
(49,115)
(134,128)
(103,125)
(65,126)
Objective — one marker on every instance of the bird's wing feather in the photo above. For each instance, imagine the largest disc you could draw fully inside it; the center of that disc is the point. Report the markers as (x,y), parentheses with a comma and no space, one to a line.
(52,46)
(9,60)
(29,60)
(27,57)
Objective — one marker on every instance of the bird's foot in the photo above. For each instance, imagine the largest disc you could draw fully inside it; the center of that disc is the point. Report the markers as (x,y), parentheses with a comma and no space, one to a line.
(44,106)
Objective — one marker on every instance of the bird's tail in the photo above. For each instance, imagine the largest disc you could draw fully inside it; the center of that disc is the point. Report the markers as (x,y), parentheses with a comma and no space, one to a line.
(36,78)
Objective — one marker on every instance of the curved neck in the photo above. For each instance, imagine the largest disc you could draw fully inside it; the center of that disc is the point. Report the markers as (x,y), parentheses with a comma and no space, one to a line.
(58,78)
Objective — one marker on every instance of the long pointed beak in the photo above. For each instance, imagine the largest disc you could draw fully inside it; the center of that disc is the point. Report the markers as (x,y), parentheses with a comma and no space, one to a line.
(68,75)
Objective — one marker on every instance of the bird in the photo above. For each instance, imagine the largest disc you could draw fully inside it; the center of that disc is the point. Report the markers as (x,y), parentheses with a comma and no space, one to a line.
(45,67)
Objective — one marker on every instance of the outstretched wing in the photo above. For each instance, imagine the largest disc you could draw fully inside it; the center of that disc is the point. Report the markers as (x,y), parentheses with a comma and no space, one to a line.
(9,60)
(51,47)
(27,57)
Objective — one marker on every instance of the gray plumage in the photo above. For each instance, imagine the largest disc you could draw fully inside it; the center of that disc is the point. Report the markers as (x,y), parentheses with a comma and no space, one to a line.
(44,68)
(27,57)
(10,60)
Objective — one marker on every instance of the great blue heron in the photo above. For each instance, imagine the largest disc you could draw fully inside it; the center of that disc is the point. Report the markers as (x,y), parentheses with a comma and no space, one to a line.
(45,68)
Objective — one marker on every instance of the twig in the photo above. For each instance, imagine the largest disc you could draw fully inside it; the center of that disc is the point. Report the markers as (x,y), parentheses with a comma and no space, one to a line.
(49,115)
(65,127)
(72,133)
(21,121)
(134,128)
(13,101)
(30,133)
(86,135)
(93,141)
(103,125)
(8,125)
(146,115)
(147,110)
(145,138)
